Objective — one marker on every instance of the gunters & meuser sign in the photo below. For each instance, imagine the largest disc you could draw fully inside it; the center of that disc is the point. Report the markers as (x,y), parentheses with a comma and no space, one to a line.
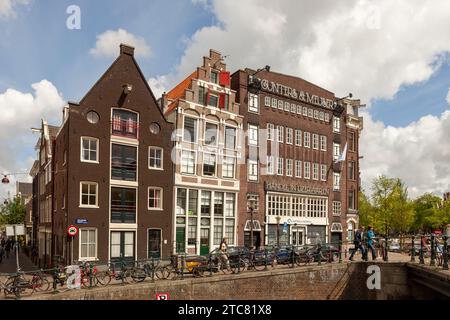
(293,93)
(293,188)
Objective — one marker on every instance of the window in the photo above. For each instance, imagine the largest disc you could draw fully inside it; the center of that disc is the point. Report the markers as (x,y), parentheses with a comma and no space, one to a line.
(202,95)
(287,106)
(214,77)
(316,114)
(336,124)
(193,201)
(218,231)
(323,172)
(298,137)
(89,149)
(307,139)
(209,164)
(125,123)
(336,181)
(270,131)
(213,101)
(88,244)
(252,199)
(350,227)
(228,167)
(336,151)
(351,170)
(315,174)
(289,135)
(289,167)
(181,201)
(270,165)
(253,102)
(351,200)
(336,208)
(305,111)
(190,130)
(280,104)
(299,110)
(188,162)
(89,194)
(293,108)
(218,203)
(327,117)
(321,116)
(300,206)
(123,162)
(252,170)
(351,140)
(310,113)
(229,231)
(315,141)
(298,169)
(252,135)
(230,200)
(280,130)
(267,101)
(123,205)
(155,198)
(280,166)
(230,138)
(205,207)
(323,143)
(307,170)
(211,134)
(155,158)
(274,103)
(192,231)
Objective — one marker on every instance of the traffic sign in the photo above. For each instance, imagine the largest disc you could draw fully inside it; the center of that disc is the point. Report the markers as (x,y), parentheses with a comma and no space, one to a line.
(72,231)
(162,296)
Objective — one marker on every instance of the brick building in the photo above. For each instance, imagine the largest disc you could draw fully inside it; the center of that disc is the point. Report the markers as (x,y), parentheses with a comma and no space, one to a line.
(207,149)
(111,171)
(302,172)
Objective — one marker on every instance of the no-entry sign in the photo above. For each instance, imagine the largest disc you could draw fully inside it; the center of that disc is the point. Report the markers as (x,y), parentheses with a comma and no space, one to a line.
(72,231)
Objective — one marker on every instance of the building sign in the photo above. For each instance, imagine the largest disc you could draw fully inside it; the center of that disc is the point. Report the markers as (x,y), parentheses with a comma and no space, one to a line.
(81,221)
(292,188)
(295,94)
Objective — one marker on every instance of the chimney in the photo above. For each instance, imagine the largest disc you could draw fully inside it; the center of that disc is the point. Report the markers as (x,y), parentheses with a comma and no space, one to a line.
(126,49)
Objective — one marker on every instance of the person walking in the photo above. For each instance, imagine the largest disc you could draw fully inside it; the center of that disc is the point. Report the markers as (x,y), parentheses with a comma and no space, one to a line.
(358,243)
(370,243)
(224,254)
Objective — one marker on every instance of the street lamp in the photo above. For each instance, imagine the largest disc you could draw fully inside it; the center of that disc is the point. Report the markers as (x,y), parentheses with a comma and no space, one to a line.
(251,207)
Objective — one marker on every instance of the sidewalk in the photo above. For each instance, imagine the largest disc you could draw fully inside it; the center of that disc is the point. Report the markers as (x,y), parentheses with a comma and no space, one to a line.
(9,265)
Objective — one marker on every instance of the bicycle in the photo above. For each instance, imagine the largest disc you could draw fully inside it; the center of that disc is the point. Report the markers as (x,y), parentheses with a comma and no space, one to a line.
(17,284)
(149,269)
(123,274)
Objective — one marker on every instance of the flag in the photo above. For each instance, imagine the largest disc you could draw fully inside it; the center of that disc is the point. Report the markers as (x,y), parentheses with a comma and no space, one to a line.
(343,155)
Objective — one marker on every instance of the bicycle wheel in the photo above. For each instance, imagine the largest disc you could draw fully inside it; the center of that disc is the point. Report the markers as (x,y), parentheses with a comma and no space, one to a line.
(86,281)
(40,284)
(138,275)
(103,278)
(8,287)
(162,273)
(260,264)
(238,267)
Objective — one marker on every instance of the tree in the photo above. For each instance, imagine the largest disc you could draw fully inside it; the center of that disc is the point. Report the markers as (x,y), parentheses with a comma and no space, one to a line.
(427,215)
(366,210)
(13,212)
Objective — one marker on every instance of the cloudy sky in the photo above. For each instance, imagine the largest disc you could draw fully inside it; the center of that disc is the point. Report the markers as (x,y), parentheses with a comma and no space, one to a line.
(393,54)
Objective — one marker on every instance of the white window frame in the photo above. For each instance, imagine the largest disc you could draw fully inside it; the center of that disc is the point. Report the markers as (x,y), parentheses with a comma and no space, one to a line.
(307,170)
(252,135)
(280,104)
(96,245)
(315,141)
(310,113)
(293,108)
(336,124)
(337,208)
(298,137)
(323,172)
(270,131)
(97,151)
(321,115)
(336,181)
(251,175)
(327,117)
(81,205)
(162,158)
(307,139)
(323,143)
(270,165)
(287,106)
(305,111)
(267,101)
(226,163)
(280,170)
(299,109)
(298,168)
(195,129)
(216,135)
(274,103)
(215,164)
(181,162)
(280,134)
(253,102)
(315,171)
(161,191)
(336,151)
(289,132)
(289,163)
(316,114)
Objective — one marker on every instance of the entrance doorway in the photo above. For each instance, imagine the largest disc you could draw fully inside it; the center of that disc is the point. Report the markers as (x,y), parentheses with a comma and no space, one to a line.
(180,240)
(336,237)
(298,236)
(204,241)
(154,243)
(122,246)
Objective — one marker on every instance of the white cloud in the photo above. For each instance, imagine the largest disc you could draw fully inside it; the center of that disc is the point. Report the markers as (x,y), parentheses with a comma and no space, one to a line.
(448,96)
(418,153)
(108,43)
(7,7)
(159,85)
(20,112)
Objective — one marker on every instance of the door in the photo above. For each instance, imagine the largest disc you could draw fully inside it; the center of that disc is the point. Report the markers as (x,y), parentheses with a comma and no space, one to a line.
(154,243)
(336,238)
(298,237)
(180,240)
(204,241)
(122,246)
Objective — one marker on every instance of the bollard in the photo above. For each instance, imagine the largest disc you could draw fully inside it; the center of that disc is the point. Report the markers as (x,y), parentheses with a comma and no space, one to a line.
(433,250)
(421,259)
(413,250)
(340,251)
(445,253)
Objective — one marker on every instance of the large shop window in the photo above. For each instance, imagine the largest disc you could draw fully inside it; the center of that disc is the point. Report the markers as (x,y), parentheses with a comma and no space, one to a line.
(123,205)
(125,124)
(316,233)
(123,162)
(275,234)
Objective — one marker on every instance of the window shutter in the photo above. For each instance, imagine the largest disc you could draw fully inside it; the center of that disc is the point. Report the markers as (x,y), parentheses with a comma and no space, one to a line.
(222,101)
(224,78)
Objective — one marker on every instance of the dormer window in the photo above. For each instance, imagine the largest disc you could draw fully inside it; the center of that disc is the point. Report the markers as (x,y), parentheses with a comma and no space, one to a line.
(214,77)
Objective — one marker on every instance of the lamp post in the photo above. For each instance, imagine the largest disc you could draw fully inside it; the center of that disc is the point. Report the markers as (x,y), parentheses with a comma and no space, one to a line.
(278,230)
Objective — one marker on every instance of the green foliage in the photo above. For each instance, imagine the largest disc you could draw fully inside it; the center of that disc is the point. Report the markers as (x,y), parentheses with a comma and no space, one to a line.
(13,212)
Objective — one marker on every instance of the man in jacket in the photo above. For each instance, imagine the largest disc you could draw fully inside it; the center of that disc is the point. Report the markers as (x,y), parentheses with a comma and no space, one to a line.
(370,242)
(358,243)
